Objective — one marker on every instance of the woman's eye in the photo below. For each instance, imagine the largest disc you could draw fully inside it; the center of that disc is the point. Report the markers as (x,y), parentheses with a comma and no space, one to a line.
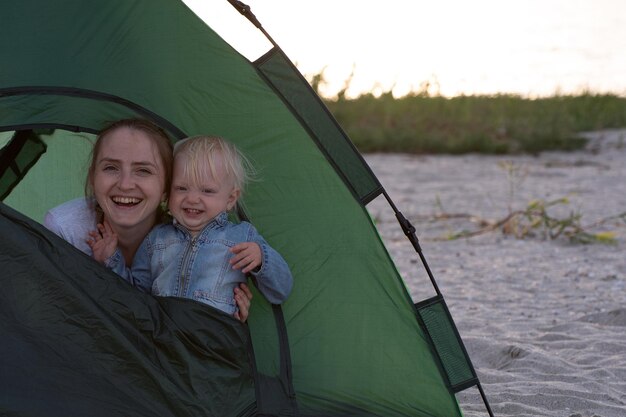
(144,171)
(109,168)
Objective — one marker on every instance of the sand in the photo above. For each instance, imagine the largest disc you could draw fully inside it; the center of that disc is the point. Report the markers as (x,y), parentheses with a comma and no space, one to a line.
(543,320)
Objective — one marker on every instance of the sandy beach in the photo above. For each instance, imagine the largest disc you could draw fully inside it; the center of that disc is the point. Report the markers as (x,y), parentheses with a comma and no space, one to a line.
(544,320)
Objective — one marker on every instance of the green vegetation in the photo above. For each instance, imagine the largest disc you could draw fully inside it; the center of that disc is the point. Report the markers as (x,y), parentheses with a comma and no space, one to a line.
(536,220)
(500,124)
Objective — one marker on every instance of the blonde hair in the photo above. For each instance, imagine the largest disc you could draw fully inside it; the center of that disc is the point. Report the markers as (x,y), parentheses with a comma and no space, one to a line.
(204,152)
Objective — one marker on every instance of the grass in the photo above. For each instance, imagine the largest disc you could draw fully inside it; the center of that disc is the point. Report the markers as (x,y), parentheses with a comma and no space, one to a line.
(499,124)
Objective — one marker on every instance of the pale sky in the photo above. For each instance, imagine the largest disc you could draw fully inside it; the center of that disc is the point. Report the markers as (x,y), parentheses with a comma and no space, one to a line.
(530,47)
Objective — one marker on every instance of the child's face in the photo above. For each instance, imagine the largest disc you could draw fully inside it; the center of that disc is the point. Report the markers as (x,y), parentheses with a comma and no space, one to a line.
(195,205)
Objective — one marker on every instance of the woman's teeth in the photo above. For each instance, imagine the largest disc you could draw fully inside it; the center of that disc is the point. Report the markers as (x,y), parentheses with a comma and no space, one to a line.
(125,200)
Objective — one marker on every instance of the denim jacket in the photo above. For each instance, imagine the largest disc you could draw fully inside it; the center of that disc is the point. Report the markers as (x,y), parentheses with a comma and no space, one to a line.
(171,262)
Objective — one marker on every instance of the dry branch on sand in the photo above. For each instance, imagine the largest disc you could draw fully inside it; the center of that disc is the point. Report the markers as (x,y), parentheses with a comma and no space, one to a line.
(535,221)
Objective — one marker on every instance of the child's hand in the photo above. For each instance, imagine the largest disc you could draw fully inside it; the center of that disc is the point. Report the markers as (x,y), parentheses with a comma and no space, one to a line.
(247,256)
(102,242)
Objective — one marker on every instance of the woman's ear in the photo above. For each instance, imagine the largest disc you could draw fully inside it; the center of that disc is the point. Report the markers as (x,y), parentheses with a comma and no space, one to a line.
(163,204)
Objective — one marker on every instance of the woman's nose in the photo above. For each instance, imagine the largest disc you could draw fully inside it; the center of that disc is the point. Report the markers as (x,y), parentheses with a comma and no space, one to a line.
(126,181)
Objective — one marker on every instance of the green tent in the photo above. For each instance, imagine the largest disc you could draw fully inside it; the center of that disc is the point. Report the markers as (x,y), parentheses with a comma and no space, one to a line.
(77,340)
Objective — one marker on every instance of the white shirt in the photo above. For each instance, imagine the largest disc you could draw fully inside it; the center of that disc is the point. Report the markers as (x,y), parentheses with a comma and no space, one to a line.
(72,221)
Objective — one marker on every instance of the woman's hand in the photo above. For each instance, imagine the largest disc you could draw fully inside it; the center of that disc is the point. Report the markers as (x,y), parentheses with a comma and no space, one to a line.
(243,296)
(102,242)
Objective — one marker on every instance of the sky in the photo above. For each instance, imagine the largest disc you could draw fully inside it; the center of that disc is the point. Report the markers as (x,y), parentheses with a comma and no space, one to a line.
(448,47)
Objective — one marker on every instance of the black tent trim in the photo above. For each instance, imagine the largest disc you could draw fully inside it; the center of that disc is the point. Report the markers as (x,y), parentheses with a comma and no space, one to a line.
(275,395)
(435,318)
(432,314)
(438,325)
(94,95)
(23,142)
(286,373)
(279,388)
(340,142)
(47,126)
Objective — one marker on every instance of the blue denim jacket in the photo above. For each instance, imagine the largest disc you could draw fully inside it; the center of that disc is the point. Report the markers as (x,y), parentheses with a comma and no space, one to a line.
(171,262)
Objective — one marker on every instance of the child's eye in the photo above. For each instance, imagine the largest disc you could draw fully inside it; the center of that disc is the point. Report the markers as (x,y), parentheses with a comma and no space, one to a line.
(180,188)
(208,191)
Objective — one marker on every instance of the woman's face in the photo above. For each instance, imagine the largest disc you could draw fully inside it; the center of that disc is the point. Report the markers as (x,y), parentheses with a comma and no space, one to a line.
(129,180)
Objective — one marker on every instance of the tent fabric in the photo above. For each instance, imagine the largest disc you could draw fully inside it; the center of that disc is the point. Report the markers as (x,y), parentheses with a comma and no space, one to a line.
(346,343)
(77,340)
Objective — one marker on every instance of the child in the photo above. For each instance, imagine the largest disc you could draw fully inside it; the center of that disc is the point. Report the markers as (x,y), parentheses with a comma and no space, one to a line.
(201,255)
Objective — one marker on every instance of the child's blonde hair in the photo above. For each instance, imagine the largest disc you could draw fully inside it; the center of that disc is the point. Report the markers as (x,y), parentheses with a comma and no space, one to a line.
(202,154)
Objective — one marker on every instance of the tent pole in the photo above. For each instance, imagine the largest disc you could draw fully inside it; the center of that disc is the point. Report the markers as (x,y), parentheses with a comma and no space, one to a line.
(484,397)
(405,224)
(409,231)
(246,11)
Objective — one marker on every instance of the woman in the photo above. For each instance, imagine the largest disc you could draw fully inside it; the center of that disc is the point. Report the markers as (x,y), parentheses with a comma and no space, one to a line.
(126,187)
